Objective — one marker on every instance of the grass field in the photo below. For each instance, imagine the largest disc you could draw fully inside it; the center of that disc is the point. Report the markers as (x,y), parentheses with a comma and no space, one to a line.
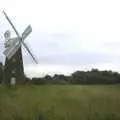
(60,102)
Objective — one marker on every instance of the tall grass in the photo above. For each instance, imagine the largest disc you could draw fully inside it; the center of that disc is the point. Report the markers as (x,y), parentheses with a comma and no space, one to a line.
(60,102)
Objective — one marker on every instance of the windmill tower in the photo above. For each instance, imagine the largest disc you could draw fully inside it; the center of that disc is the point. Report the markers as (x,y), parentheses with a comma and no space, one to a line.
(13,69)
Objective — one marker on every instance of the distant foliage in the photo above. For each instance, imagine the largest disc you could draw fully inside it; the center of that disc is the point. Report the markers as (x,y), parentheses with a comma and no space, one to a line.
(79,77)
(1,72)
(95,77)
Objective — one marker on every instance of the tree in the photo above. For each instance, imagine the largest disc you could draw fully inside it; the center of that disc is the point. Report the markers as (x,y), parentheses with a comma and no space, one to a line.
(1,73)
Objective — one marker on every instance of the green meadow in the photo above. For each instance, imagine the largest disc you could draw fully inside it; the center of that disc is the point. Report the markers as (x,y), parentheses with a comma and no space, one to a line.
(60,102)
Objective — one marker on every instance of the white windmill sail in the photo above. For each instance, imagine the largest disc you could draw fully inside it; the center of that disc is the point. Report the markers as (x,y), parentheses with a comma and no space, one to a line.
(12,45)
(27,31)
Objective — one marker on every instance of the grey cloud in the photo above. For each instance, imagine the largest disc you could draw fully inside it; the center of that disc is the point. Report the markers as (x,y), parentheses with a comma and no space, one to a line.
(112,44)
(62,49)
(74,58)
(59,35)
(78,58)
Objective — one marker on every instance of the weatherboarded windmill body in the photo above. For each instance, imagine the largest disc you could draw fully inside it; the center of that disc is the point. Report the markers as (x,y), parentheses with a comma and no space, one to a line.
(13,69)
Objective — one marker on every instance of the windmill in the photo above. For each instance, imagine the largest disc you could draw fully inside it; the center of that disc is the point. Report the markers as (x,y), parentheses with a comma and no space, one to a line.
(13,69)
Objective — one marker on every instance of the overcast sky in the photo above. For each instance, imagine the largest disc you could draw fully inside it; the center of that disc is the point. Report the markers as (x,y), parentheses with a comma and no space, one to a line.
(67,35)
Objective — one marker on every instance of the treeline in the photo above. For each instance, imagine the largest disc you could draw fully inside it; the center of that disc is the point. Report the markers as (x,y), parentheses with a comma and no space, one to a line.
(79,77)
(1,72)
